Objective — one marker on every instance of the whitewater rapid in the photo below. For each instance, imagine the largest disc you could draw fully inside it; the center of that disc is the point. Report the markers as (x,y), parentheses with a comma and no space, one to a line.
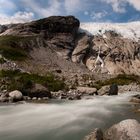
(63,120)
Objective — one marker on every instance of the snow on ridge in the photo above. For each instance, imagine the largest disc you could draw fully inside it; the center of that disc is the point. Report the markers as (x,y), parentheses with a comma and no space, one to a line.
(127,30)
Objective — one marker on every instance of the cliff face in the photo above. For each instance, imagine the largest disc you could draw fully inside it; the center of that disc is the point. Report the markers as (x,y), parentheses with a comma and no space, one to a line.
(113,55)
(55,43)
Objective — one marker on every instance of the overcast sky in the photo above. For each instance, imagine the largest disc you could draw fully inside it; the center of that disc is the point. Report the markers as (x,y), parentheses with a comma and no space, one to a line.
(14,11)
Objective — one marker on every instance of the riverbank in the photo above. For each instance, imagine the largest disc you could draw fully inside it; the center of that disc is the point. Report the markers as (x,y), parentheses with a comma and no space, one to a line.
(63,119)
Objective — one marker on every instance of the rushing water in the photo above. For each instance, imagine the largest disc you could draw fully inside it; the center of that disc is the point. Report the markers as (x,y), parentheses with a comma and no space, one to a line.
(64,120)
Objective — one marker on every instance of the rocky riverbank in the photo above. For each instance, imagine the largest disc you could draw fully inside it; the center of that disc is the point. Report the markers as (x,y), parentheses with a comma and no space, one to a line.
(41,94)
(125,130)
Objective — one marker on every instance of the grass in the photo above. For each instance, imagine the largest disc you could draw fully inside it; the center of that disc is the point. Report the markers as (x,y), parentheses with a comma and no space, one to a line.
(23,81)
(119,80)
(10,48)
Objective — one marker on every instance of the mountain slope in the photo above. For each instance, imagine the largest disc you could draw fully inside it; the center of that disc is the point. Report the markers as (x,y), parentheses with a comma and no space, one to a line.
(57,44)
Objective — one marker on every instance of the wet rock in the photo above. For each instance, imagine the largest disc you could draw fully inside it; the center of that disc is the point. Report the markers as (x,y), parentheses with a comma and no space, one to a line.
(34,98)
(125,130)
(113,89)
(135,99)
(87,90)
(97,134)
(25,97)
(16,95)
(63,96)
(29,98)
(103,90)
(45,98)
(4,99)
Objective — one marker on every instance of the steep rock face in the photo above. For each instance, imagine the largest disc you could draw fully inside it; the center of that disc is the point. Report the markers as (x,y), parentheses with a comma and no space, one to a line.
(114,54)
(81,49)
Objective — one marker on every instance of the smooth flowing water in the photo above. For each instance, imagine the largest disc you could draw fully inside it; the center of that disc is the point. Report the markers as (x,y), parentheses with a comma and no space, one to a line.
(63,120)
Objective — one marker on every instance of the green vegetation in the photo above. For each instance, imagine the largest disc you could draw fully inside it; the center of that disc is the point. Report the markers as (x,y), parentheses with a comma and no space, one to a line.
(9,47)
(23,81)
(2,61)
(120,80)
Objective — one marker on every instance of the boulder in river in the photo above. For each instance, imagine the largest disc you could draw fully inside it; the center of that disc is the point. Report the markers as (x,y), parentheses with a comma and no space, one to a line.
(113,89)
(103,90)
(125,130)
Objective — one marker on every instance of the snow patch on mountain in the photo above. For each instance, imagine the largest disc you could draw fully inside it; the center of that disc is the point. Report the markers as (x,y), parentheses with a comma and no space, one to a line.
(127,30)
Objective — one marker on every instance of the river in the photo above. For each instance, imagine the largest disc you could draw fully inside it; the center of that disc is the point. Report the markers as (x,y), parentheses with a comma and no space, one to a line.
(63,120)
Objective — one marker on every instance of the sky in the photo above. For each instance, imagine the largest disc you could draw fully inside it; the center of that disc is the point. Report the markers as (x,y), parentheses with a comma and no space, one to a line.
(114,11)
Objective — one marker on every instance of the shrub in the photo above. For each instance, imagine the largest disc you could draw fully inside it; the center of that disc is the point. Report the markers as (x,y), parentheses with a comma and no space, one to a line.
(122,79)
(10,48)
(22,81)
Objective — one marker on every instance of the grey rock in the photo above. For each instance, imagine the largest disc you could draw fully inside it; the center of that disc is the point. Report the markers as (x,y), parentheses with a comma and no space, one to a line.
(104,90)
(97,134)
(87,90)
(34,98)
(45,98)
(135,99)
(4,99)
(125,130)
(16,95)
(81,49)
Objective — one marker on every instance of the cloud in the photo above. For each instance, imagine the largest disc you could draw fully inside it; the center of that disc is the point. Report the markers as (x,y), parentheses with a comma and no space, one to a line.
(19,17)
(118,6)
(53,7)
(135,4)
(86,13)
(98,16)
(56,7)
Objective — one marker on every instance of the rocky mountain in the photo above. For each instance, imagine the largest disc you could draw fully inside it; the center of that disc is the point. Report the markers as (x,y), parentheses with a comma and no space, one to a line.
(61,45)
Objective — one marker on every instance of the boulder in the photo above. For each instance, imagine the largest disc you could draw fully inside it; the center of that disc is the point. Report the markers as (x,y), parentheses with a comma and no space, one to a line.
(135,99)
(16,95)
(125,130)
(97,134)
(113,89)
(103,90)
(133,87)
(87,90)
(4,99)
(39,91)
